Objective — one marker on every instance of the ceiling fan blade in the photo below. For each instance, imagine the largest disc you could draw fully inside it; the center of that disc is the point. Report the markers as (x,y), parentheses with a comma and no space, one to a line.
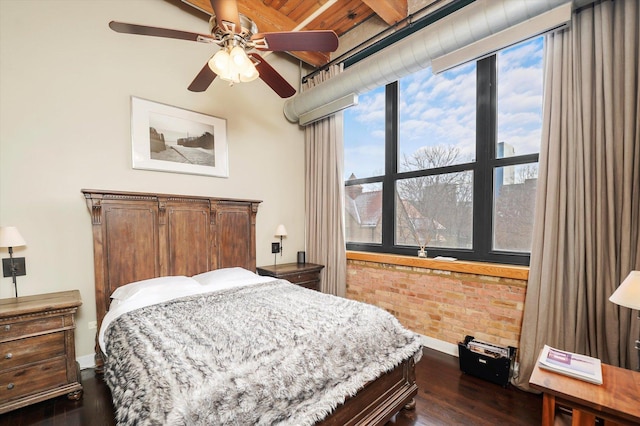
(273,79)
(203,80)
(226,11)
(301,41)
(123,27)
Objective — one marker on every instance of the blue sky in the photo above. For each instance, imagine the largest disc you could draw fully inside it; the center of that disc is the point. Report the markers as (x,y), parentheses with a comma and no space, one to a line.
(440,110)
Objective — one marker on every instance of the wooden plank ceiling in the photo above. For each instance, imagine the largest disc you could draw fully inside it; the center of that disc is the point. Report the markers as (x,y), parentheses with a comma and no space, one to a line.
(340,16)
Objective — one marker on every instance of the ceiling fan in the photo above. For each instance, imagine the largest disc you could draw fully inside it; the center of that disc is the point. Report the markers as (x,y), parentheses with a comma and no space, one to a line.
(238,36)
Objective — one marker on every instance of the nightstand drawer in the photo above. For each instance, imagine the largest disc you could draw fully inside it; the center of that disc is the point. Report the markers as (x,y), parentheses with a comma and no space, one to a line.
(25,328)
(19,382)
(301,277)
(33,349)
(313,285)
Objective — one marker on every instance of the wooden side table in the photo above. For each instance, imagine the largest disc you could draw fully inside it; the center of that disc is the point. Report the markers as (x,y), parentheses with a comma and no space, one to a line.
(37,349)
(303,274)
(616,400)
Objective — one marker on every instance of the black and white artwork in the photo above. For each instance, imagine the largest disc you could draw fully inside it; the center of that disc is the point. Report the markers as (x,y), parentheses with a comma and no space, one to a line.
(166,138)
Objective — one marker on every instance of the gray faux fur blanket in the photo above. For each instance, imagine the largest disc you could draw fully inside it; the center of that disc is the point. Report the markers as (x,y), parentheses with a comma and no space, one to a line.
(272,353)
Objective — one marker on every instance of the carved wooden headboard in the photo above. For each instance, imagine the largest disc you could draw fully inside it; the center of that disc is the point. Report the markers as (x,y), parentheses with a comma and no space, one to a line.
(137,236)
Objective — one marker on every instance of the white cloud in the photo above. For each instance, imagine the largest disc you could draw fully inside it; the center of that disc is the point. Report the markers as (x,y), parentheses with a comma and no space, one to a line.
(370,107)
(442,112)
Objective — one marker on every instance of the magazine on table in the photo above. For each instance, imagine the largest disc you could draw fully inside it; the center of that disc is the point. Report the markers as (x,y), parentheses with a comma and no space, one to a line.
(581,367)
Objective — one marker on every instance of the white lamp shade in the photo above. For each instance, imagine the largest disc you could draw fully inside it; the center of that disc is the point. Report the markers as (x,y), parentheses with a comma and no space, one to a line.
(628,293)
(10,237)
(281,231)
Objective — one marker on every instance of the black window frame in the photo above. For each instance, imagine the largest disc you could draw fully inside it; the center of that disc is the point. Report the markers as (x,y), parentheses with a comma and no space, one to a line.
(483,174)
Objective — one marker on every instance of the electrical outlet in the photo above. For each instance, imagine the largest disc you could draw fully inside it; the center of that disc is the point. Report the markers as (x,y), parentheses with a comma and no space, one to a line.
(275,247)
(93,325)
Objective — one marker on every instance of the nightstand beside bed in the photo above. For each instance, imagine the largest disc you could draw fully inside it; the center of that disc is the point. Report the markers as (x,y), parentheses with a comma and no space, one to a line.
(303,274)
(37,349)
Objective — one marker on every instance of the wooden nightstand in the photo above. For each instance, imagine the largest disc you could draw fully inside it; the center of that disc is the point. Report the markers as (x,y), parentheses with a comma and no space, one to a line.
(303,274)
(37,349)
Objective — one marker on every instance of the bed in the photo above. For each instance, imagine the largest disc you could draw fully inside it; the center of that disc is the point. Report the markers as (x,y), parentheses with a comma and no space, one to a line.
(160,243)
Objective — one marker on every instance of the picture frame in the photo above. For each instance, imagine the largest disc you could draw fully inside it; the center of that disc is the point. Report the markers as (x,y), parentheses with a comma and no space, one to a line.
(171,139)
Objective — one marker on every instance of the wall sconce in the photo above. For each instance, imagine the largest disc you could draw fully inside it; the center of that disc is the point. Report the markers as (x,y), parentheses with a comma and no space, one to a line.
(628,295)
(12,267)
(281,231)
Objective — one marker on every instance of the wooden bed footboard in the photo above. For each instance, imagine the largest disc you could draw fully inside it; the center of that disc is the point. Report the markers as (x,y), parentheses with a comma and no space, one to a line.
(379,400)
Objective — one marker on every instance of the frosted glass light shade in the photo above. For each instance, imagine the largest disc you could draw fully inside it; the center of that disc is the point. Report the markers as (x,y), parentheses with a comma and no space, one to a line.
(219,63)
(628,293)
(238,56)
(10,237)
(249,72)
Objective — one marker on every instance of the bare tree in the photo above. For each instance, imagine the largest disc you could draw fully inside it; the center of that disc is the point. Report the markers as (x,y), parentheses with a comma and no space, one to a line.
(526,172)
(434,209)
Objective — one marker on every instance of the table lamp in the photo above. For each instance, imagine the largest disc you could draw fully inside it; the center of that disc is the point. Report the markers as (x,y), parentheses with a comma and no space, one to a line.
(12,267)
(628,295)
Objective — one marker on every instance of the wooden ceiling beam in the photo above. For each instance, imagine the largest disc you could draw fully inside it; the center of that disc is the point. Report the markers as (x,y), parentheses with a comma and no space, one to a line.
(268,20)
(391,11)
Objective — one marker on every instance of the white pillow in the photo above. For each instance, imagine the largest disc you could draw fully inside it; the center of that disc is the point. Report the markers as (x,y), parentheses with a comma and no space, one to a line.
(127,291)
(221,276)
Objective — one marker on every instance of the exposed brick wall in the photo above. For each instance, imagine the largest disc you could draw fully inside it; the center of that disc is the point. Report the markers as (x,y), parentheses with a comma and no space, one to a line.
(441,304)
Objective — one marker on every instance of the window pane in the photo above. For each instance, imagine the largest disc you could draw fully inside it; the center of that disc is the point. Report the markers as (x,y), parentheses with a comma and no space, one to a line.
(363,213)
(437,111)
(520,99)
(364,136)
(513,206)
(436,211)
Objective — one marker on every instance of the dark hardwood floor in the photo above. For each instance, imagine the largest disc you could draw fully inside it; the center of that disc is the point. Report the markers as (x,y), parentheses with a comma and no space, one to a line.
(446,397)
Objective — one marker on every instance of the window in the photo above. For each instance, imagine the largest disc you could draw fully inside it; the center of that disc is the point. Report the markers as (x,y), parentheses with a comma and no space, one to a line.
(448,161)
(364,154)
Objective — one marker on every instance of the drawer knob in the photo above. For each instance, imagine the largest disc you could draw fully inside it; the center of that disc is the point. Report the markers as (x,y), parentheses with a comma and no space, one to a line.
(7,327)
(10,386)
(8,356)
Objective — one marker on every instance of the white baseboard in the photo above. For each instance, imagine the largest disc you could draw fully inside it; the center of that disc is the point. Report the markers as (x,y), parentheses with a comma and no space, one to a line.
(440,345)
(86,361)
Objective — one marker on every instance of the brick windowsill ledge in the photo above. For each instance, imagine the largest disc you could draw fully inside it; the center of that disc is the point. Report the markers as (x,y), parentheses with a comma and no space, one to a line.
(479,268)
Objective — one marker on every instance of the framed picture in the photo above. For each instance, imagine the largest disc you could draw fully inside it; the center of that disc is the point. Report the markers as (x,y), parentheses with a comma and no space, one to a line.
(171,139)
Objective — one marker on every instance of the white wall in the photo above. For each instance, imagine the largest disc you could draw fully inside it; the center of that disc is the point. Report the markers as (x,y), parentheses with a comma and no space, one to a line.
(65,85)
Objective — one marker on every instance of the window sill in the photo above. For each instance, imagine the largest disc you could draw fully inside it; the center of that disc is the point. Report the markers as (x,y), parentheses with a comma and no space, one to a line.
(479,268)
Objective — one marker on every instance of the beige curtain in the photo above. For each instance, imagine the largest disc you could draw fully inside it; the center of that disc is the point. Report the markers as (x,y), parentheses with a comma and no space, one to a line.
(586,229)
(324,195)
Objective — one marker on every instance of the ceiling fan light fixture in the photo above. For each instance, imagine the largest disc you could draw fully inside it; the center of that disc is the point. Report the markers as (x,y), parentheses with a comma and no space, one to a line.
(230,76)
(233,65)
